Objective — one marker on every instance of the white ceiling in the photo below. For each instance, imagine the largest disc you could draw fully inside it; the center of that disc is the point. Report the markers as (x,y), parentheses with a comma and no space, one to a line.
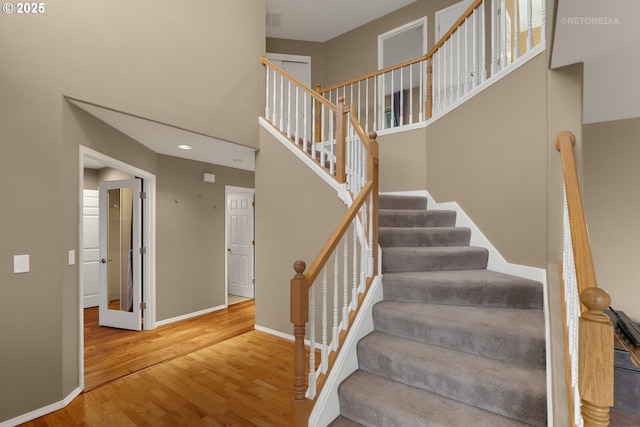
(319,21)
(604,35)
(164,139)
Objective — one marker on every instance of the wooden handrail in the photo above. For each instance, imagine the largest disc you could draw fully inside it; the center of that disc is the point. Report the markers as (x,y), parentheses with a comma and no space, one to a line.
(321,259)
(595,331)
(585,272)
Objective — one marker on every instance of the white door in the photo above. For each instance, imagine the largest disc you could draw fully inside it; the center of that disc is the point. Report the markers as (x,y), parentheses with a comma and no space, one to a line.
(90,249)
(240,242)
(120,254)
(457,69)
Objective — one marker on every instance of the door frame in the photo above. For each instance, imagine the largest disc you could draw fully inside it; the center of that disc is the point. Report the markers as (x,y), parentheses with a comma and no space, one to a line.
(230,189)
(148,240)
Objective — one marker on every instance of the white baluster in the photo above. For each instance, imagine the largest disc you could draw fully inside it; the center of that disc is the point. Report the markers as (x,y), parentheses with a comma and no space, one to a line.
(504,60)
(530,25)
(312,343)
(297,117)
(483,46)
(401,106)
(393,100)
(494,37)
(467,71)
(335,337)
(305,124)
(376,125)
(366,110)
(423,92)
(516,30)
(332,141)
(281,102)
(288,108)
(474,46)
(458,61)
(363,252)
(370,238)
(267,110)
(358,107)
(345,283)
(543,22)
(324,359)
(354,284)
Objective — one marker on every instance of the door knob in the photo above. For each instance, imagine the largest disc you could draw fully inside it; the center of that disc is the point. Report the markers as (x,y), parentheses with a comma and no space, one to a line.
(104,261)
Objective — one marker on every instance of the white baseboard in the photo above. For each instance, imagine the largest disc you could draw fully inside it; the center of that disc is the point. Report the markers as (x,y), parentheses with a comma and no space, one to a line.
(42,411)
(91,300)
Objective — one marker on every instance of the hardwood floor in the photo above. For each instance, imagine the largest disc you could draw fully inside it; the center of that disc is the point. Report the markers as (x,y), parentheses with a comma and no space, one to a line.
(245,380)
(111,353)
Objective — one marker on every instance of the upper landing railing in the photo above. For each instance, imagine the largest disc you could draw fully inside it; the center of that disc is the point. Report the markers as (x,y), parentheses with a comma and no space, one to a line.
(426,86)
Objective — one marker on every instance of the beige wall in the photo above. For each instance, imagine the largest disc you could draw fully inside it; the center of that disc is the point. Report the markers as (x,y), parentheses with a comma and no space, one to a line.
(129,56)
(612,205)
(490,156)
(296,47)
(190,233)
(296,211)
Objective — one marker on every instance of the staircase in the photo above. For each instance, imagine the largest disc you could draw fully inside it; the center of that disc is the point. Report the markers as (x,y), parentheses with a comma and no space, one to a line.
(453,343)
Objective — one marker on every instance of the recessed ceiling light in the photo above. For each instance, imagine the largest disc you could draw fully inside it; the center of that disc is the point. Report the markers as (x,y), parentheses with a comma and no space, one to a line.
(185,147)
(237,160)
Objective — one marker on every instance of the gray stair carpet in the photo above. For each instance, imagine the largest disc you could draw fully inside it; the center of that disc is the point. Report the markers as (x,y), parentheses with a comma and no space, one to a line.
(454,344)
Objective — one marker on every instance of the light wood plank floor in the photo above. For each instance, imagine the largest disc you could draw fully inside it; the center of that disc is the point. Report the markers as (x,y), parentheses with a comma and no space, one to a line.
(243,381)
(111,353)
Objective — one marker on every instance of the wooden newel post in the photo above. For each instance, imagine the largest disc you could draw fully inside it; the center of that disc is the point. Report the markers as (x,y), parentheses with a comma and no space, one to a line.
(299,318)
(374,152)
(341,143)
(318,117)
(595,353)
(429,103)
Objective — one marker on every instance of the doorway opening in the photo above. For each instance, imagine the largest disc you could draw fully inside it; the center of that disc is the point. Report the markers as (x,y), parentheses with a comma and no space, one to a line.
(240,243)
(394,47)
(91,259)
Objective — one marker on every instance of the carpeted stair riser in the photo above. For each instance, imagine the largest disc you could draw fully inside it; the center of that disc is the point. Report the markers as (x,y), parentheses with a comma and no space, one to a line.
(453,344)
(402,218)
(510,335)
(388,201)
(377,401)
(434,258)
(423,236)
(505,389)
(463,287)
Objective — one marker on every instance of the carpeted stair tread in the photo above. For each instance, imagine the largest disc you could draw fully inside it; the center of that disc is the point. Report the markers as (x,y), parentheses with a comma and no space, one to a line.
(377,401)
(507,389)
(423,236)
(416,218)
(434,258)
(392,201)
(510,335)
(463,287)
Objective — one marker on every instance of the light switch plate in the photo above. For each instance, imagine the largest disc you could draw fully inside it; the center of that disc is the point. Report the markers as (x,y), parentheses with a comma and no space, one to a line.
(21,263)
(72,257)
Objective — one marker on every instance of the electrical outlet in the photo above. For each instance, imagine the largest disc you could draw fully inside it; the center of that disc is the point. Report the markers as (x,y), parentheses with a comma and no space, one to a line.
(21,263)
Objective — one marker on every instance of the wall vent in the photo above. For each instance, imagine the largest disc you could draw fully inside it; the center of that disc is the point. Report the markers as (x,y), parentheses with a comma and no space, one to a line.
(274,19)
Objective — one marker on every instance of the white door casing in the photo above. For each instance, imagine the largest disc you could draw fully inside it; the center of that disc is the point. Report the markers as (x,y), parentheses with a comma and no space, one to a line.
(120,254)
(90,248)
(240,244)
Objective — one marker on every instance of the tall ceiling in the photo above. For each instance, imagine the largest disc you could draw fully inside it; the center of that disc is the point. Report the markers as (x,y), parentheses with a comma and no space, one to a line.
(319,21)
